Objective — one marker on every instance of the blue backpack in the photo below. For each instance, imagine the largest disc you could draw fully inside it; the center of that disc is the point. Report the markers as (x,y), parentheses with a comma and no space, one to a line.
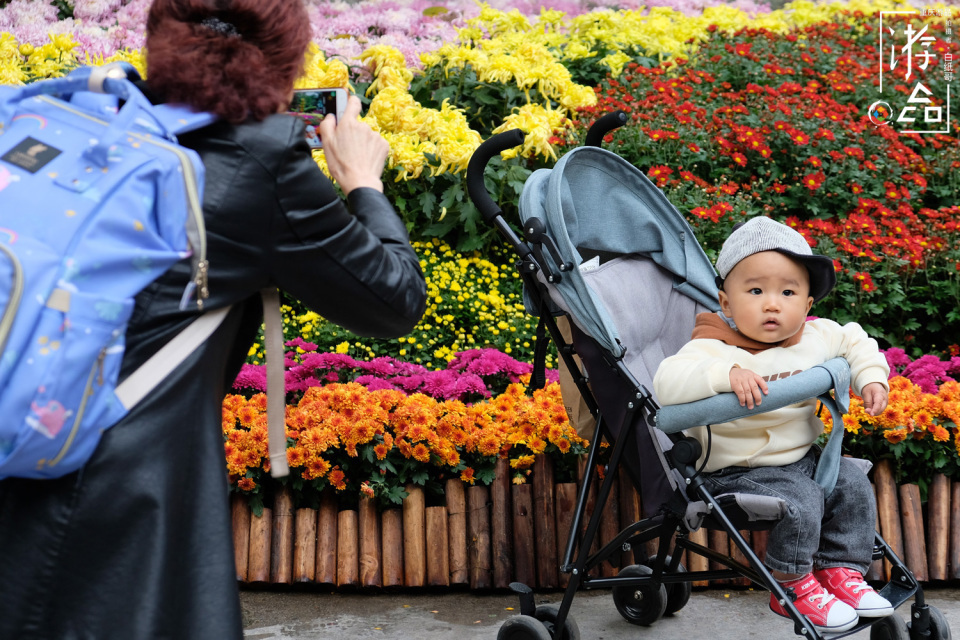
(95,203)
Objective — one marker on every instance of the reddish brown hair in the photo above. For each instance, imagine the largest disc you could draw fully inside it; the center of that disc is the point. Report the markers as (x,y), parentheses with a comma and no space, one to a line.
(238,77)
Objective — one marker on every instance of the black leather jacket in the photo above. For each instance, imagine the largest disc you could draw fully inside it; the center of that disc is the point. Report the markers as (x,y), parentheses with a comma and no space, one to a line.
(137,544)
(273,219)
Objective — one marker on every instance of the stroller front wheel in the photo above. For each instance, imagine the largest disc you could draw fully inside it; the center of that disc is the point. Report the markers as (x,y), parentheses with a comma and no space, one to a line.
(640,604)
(547,614)
(890,628)
(523,628)
(939,629)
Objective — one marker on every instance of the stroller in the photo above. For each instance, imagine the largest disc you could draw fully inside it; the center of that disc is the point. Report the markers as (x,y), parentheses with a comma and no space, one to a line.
(603,246)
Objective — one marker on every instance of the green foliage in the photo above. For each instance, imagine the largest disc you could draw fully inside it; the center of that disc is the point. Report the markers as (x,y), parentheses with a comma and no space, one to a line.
(64,8)
(485,103)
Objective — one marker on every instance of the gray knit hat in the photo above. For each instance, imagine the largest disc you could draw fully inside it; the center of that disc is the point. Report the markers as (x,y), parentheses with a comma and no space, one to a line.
(763,234)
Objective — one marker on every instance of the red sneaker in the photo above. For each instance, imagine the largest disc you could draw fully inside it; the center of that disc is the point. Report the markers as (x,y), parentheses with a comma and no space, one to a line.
(823,609)
(849,587)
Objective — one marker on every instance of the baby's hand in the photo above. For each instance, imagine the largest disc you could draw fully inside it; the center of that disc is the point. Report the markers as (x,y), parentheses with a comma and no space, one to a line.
(748,386)
(874,398)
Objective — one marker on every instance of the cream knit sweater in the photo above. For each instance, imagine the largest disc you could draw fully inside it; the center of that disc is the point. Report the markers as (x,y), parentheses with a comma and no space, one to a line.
(702,369)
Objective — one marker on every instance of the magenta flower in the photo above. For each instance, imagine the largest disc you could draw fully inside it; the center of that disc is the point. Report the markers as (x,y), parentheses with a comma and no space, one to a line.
(374,383)
(897,359)
(252,377)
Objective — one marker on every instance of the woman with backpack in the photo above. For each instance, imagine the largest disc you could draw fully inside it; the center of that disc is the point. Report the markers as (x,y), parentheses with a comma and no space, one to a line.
(137,543)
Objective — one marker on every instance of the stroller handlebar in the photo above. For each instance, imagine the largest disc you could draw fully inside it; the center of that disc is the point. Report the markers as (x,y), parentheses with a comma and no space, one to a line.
(603,126)
(725,407)
(478,163)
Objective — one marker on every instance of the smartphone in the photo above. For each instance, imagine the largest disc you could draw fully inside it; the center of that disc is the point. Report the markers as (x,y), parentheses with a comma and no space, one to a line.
(312,105)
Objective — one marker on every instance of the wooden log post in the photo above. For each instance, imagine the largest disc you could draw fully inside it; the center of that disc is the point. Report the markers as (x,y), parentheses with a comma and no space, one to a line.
(914,545)
(609,528)
(391,521)
(414,537)
(524,536)
(326,556)
(240,519)
(629,510)
(720,542)
(739,556)
(888,510)
(305,545)
(955,531)
(478,537)
(696,561)
(501,526)
(258,564)
(759,543)
(457,531)
(348,549)
(438,551)
(938,527)
(545,522)
(281,562)
(371,574)
(566,493)
(589,505)
(875,572)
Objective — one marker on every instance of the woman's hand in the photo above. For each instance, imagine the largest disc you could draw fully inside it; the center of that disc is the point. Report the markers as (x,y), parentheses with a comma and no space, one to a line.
(355,153)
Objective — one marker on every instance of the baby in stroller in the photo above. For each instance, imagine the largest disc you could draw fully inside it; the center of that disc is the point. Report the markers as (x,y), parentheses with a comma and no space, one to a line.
(823,545)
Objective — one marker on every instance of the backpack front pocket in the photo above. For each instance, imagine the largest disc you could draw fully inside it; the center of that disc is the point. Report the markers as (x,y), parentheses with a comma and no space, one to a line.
(66,381)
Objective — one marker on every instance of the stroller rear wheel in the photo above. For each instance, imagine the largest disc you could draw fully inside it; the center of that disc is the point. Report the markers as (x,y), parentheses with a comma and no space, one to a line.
(547,614)
(678,593)
(523,628)
(890,628)
(640,604)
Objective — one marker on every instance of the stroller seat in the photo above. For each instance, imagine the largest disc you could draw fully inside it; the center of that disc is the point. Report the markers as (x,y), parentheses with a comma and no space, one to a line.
(603,246)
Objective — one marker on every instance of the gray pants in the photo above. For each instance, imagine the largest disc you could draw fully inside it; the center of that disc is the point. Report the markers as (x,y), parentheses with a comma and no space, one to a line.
(818,531)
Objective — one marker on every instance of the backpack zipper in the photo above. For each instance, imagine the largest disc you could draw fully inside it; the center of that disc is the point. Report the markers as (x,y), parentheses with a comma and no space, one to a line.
(82,409)
(6,323)
(193,197)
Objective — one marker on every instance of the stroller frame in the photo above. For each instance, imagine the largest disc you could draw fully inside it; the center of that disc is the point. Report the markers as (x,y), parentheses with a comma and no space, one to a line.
(663,575)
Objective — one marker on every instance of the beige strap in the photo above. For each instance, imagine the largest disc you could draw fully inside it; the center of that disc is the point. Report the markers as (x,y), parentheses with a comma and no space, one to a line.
(276,385)
(59,300)
(169,357)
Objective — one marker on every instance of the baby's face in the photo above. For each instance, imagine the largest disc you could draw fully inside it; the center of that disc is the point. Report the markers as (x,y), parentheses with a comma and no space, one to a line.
(768,296)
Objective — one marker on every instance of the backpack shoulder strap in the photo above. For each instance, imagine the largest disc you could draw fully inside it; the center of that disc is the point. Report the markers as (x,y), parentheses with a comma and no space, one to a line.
(276,383)
(152,372)
(148,375)
(179,118)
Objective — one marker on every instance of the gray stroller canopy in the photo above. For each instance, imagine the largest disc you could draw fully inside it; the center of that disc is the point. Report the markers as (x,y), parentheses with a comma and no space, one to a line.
(594,199)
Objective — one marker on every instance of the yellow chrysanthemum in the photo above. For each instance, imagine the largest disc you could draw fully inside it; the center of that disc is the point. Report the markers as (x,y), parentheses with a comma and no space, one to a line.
(388,67)
(318,72)
(615,62)
(9,47)
(10,72)
(539,125)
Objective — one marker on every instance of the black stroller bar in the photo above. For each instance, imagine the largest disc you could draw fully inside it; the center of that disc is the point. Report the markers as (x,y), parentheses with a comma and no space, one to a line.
(478,162)
(603,126)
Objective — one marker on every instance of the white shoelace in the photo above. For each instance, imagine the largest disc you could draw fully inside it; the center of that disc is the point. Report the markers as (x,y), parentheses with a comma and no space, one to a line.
(823,596)
(858,585)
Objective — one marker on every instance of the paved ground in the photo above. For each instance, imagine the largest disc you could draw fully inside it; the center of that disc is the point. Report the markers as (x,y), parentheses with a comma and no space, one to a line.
(710,615)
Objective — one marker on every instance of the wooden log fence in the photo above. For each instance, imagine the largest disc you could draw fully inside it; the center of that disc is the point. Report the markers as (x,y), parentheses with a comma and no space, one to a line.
(486,537)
